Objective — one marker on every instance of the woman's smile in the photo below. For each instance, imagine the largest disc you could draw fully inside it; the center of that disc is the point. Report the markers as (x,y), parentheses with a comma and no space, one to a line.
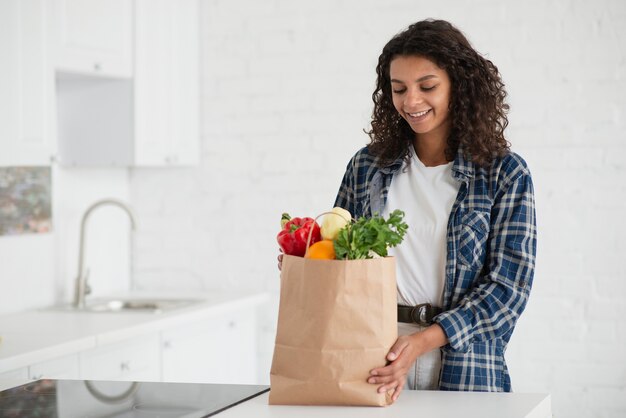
(418,116)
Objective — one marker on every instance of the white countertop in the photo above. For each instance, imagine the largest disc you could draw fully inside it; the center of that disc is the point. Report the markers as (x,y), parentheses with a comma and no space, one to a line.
(411,403)
(39,335)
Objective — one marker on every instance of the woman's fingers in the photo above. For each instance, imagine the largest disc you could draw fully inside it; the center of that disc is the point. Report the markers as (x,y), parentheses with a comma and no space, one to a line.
(397,349)
(394,388)
(396,392)
(382,379)
(387,375)
(280,260)
(393,375)
(394,357)
(386,388)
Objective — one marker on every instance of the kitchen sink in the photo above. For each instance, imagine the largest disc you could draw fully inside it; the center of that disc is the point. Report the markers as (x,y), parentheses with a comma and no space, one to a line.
(154,305)
(120,305)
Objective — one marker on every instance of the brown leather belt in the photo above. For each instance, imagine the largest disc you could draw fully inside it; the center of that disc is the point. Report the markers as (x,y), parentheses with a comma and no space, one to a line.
(422,314)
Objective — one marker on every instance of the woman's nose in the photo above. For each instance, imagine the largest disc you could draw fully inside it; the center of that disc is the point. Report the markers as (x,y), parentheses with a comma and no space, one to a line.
(413,98)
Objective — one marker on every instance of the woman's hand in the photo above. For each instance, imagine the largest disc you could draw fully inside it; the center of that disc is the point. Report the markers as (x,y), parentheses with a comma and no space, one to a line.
(280,259)
(402,355)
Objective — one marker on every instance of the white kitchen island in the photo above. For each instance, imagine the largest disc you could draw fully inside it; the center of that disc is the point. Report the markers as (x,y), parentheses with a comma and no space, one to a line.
(424,404)
(77,399)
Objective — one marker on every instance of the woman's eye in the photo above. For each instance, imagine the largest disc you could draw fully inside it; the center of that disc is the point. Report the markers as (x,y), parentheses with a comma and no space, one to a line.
(400,91)
(428,88)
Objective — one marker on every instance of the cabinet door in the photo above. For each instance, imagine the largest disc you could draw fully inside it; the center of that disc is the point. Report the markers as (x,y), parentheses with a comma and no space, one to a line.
(216,350)
(93,36)
(25,83)
(60,368)
(166,82)
(21,373)
(136,359)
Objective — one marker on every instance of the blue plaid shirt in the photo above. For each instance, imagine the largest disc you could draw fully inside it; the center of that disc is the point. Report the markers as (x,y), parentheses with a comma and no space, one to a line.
(491,246)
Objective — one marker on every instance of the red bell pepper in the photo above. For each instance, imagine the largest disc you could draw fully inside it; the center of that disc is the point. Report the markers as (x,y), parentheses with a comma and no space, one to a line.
(292,238)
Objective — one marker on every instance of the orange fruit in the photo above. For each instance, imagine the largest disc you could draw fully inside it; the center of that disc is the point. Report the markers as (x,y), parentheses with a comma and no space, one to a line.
(322,250)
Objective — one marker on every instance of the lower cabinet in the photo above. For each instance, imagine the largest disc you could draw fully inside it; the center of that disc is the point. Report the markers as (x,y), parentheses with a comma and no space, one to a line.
(135,359)
(66,367)
(213,350)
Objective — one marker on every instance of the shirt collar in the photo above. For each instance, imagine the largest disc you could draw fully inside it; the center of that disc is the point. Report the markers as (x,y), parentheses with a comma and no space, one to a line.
(393,167)
(462,168)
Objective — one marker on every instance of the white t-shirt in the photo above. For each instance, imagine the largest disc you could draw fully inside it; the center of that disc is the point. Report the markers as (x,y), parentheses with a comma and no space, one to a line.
(426,195)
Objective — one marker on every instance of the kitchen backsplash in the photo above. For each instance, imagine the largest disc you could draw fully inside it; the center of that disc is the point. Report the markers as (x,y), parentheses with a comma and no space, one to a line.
(25,200)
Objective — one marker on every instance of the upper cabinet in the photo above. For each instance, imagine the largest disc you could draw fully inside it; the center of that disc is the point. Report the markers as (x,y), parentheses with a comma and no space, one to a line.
(99,82)
(150,119)
(93,37)
(26,84)
(166,82)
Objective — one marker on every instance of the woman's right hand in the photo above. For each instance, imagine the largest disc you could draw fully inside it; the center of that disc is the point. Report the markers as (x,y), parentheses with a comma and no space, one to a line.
(280,259)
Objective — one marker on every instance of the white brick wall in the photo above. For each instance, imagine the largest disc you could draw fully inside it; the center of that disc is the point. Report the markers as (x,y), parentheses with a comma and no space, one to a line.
(285,96)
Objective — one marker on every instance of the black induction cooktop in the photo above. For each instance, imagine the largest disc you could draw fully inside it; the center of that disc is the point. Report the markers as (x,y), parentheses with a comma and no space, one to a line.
(104,399)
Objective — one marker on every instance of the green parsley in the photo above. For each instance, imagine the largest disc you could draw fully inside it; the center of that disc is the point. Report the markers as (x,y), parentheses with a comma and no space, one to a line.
(369,236)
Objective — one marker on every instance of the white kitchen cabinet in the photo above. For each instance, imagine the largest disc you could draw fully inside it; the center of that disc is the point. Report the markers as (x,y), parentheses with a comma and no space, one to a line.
(25,84)
(93,37)
(166,82)
(21,373)
(150,119)
(66,367)
(219,349)
(132,360)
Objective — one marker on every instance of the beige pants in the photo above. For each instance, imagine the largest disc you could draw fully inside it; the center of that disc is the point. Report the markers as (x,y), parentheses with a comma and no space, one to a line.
(424,374)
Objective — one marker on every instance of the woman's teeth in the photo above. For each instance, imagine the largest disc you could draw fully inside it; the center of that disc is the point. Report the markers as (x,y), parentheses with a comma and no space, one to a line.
(418,114)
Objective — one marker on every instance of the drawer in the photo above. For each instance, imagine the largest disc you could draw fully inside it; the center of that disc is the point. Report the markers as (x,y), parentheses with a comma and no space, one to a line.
(135,359)
(66,367)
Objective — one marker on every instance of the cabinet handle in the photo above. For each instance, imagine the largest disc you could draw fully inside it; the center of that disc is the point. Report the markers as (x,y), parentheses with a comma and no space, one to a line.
(37,377)
(97,66)
(167,344)
(232,324)
(125,366)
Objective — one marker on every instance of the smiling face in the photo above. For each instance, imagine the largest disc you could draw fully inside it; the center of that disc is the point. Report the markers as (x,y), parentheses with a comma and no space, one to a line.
(421,95)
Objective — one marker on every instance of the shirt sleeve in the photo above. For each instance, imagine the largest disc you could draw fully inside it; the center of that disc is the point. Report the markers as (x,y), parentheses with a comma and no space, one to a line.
(492,307)
(346,195)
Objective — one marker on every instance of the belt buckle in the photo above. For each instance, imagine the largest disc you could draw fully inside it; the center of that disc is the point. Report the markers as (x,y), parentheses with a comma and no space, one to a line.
(419,314)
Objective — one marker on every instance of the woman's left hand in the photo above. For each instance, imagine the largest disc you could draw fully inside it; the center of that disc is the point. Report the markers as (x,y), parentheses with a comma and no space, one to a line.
(401,356)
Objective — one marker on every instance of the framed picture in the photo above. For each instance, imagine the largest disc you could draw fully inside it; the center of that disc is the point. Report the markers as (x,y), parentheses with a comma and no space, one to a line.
(25,200)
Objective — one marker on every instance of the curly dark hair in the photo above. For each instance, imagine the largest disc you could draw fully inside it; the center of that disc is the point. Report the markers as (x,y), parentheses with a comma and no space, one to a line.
(478,111)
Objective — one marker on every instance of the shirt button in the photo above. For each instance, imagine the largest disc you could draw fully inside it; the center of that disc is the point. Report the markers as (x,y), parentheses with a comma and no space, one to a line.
(522,283)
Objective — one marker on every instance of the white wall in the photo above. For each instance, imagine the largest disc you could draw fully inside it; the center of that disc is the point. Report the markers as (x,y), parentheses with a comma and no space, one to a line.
(38,270)
(286,91)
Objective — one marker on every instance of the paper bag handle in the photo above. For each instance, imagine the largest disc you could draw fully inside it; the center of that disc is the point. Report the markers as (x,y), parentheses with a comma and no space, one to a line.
(308,240)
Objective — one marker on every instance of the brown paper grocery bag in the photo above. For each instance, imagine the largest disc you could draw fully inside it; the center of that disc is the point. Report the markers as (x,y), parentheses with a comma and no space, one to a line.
(337,320)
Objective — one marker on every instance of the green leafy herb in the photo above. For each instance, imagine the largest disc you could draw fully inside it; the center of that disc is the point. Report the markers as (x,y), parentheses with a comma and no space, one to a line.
(369,236)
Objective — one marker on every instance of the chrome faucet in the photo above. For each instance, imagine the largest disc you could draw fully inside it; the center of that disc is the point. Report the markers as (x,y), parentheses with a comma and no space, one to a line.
(82,287)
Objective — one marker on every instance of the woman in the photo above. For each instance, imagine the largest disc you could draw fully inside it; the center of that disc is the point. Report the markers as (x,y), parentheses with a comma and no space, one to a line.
(438,153)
